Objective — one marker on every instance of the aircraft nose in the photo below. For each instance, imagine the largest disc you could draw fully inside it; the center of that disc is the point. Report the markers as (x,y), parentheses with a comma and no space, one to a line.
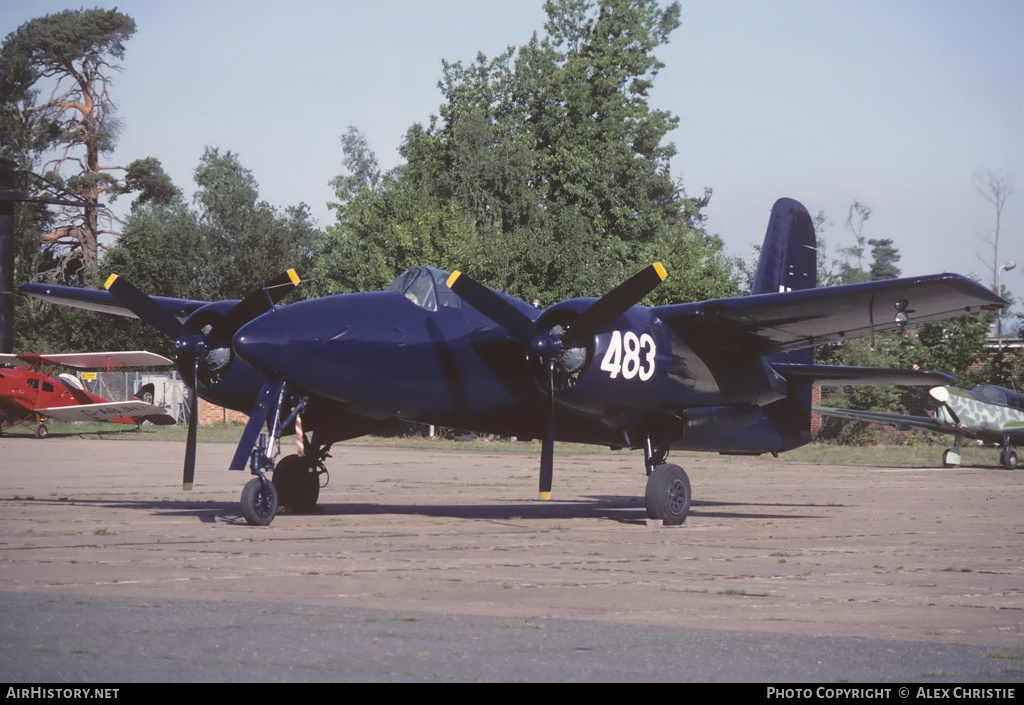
(262,343)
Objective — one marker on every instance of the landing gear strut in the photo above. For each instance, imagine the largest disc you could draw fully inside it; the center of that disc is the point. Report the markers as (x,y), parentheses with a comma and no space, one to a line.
(294,487)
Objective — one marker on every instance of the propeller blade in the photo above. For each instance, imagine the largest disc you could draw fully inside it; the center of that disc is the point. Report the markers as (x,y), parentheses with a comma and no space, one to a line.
(148,310)
(547,450)
(255,304)
(615,303)
(193,423)
(265,400)
(489,303)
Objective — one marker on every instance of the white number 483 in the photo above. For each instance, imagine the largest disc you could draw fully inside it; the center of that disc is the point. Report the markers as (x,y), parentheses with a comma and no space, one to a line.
(629,355)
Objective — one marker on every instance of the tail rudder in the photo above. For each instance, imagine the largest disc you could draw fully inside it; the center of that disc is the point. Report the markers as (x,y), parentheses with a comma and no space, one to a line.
(789,255)
(789,262)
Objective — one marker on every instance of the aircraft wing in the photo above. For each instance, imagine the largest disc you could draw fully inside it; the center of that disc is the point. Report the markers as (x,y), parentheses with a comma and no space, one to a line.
(138,410)
(838,375)
(772,323)
(95,360)
(900,422)
(104,301)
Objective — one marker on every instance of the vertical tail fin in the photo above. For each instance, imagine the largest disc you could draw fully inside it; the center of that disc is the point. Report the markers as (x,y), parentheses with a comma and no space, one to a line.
(145,393)
(789,262)
(789,255)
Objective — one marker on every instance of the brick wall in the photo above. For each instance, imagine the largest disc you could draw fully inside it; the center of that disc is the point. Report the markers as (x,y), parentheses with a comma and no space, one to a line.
(815,418)
(211,413)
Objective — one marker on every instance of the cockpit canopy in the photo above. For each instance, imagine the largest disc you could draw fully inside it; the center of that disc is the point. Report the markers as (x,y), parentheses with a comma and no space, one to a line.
(992,394)
(426,287)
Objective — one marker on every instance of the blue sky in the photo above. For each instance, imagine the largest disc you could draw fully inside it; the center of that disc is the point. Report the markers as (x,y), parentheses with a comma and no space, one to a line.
(894,104)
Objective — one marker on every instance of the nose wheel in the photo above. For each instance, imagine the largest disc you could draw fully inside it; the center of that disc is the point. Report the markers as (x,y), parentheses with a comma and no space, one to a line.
(259,501)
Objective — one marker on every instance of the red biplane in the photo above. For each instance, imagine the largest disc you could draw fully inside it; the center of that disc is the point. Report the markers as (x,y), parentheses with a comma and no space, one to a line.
(28,395)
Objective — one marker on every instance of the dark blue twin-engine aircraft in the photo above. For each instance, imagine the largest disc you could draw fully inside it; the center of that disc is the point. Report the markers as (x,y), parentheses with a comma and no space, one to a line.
(731,376)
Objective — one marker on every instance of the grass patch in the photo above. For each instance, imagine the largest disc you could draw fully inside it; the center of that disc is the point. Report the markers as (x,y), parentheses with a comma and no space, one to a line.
(1003,655)
(742,593)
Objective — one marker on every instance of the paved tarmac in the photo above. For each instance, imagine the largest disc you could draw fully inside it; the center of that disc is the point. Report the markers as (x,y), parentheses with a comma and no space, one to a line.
(433,566)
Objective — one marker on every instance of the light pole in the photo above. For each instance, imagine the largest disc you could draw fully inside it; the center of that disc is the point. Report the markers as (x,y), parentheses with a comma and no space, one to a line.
(999,321)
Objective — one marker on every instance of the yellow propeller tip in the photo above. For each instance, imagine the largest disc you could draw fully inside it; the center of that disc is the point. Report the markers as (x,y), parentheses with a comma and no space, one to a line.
(660,269)
(110,281)
(455,275)
(545,496)
(294,276)
(187,486)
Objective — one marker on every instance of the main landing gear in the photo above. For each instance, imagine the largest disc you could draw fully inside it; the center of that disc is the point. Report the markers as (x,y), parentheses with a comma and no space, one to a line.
(1008,456)
(297,478)
(668,492)
(951,456)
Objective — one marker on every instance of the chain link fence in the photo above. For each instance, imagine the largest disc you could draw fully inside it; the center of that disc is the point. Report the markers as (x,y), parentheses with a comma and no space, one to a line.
(169,391)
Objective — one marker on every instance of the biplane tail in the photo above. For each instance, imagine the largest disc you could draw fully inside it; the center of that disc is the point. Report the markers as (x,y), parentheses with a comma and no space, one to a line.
(145,393)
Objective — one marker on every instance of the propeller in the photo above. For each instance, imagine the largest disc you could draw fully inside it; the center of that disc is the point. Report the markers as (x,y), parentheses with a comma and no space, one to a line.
(561,348)
(206,348)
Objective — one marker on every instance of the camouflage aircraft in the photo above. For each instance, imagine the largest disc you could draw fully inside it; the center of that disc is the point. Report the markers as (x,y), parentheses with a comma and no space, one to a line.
(986,413)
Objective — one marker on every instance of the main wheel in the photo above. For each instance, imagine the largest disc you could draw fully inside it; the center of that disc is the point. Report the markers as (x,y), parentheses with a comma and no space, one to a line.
(258,507)
(668,494)
(297,488)
(1010,459)
(42,431)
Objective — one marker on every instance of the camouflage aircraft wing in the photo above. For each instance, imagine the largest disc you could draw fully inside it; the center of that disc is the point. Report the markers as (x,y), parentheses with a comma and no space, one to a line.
(772,323)
(106,411)
(901,422)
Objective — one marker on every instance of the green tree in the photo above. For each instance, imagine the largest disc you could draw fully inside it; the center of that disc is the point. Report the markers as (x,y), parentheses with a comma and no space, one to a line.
(72,55)
(884,256)
(550,161)
(851,269)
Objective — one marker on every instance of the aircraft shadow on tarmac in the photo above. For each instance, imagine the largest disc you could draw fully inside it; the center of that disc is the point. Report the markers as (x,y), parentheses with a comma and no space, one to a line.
(617,508)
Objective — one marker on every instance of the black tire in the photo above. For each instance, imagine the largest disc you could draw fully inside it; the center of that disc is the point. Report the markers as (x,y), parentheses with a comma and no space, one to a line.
(1010,460)
(668,494)
(297,488)
(42,431)
(258,510)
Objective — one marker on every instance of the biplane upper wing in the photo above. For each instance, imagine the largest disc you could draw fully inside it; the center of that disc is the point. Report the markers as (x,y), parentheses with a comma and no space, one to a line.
(104,301)
(106,411)
(773,323)
(93,360)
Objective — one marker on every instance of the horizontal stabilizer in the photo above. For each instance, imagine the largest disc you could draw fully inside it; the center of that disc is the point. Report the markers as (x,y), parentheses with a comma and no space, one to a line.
(839,376)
